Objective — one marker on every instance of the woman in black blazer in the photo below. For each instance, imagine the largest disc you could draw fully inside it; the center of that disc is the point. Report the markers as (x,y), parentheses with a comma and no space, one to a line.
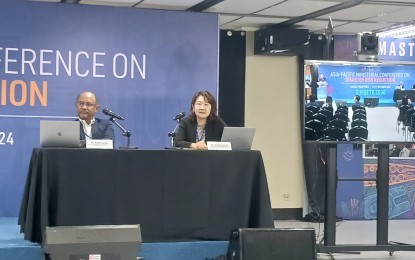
(202,125)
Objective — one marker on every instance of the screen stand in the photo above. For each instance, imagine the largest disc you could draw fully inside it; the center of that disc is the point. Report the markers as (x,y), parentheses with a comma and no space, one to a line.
(382,182)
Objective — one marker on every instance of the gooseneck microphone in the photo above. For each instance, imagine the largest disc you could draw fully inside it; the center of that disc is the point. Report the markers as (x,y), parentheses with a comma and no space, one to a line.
(179,116)
(108,112)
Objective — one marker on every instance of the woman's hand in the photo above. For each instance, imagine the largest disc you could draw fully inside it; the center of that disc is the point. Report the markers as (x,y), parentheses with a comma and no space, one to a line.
(199,145)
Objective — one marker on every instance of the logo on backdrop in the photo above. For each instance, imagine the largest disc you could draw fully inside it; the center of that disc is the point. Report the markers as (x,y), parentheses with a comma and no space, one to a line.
(348,154)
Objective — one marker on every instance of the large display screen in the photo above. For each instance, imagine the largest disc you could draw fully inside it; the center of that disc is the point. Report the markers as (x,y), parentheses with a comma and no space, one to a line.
(358,102)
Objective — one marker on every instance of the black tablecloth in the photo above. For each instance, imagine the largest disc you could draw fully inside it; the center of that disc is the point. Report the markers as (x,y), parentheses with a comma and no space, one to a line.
(175,195)
(399,94)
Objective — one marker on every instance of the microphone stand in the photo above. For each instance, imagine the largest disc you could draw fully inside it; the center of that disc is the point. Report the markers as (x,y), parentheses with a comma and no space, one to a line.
(124,133)
(172,134)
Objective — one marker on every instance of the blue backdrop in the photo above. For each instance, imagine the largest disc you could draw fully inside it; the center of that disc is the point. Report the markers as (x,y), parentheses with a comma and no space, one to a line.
(142,64)
(346,81)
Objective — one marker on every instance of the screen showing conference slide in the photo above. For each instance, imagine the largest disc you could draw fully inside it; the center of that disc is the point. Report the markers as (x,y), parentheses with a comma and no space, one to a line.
(358,102)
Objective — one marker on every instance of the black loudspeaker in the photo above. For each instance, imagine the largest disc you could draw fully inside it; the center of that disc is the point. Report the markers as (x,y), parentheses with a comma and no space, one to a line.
(272,244)
(104,242)
(275,39)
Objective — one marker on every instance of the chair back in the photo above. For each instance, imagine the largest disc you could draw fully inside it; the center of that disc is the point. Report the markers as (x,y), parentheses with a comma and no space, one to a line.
(312,108)
(342,107)
(359,122)
(341,116)
(330,109)
(359,116)
(308,114)
(358,133)
(334,133)
(317,126)
(339,123)
(412,125)
(310,134)
(321,117)
(402,112)
(360,110)
(408,116)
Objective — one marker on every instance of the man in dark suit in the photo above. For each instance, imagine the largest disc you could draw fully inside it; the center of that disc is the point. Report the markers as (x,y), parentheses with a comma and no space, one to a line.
(92,128)
(357,103)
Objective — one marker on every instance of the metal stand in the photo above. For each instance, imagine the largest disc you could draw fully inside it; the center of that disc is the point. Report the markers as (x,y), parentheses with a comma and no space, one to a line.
(382,181)
(124,133)
(172,134)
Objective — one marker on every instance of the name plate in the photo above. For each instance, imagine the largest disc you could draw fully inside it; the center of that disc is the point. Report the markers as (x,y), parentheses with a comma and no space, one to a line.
(99,144)
(219,145)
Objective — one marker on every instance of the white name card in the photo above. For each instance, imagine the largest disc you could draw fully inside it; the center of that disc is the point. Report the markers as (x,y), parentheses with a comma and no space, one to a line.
(99,144)
(219,145)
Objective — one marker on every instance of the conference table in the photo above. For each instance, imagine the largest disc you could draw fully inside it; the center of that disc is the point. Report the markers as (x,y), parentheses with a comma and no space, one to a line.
(398,94)
(175,195)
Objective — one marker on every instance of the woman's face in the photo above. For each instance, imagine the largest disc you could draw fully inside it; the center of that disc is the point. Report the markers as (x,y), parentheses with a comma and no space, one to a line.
(201,107)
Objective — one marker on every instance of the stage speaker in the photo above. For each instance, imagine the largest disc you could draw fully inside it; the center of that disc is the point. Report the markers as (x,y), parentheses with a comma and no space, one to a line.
(272,243)
(278,40)
(103,242)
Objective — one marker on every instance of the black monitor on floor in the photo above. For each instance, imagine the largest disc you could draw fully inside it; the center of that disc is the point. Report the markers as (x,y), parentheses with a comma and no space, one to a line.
(371,101)
(105,242)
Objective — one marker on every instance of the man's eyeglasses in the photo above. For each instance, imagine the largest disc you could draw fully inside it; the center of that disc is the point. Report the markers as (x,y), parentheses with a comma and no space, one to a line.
(87,104)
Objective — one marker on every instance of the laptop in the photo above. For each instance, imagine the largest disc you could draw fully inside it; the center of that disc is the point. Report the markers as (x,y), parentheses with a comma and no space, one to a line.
(59,133)
(240,137)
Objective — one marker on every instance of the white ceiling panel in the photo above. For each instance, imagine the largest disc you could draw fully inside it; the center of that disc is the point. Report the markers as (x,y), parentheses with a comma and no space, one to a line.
(55,1)
(187,3)
(355,27)
(123,3)
(254,22)
(396,1)
(297,8)
(377,14)
(242,7)
(163,7)
(361,12)
(400,16)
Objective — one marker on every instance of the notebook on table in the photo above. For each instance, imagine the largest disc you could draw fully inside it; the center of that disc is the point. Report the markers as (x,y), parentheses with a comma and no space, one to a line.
(59,133)
(240,137)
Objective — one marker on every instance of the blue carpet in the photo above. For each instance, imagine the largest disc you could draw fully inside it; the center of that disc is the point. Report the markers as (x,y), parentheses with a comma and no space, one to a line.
(14,247)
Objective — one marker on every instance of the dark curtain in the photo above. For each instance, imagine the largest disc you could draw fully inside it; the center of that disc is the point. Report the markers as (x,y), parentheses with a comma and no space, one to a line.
(315,158)
(232,53)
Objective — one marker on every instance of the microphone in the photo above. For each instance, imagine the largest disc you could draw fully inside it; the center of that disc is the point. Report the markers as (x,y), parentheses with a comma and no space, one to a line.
(112,114)
(179,116)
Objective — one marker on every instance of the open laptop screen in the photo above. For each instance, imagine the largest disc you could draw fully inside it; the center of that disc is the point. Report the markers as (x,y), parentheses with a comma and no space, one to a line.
(59,133)
(240,137)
